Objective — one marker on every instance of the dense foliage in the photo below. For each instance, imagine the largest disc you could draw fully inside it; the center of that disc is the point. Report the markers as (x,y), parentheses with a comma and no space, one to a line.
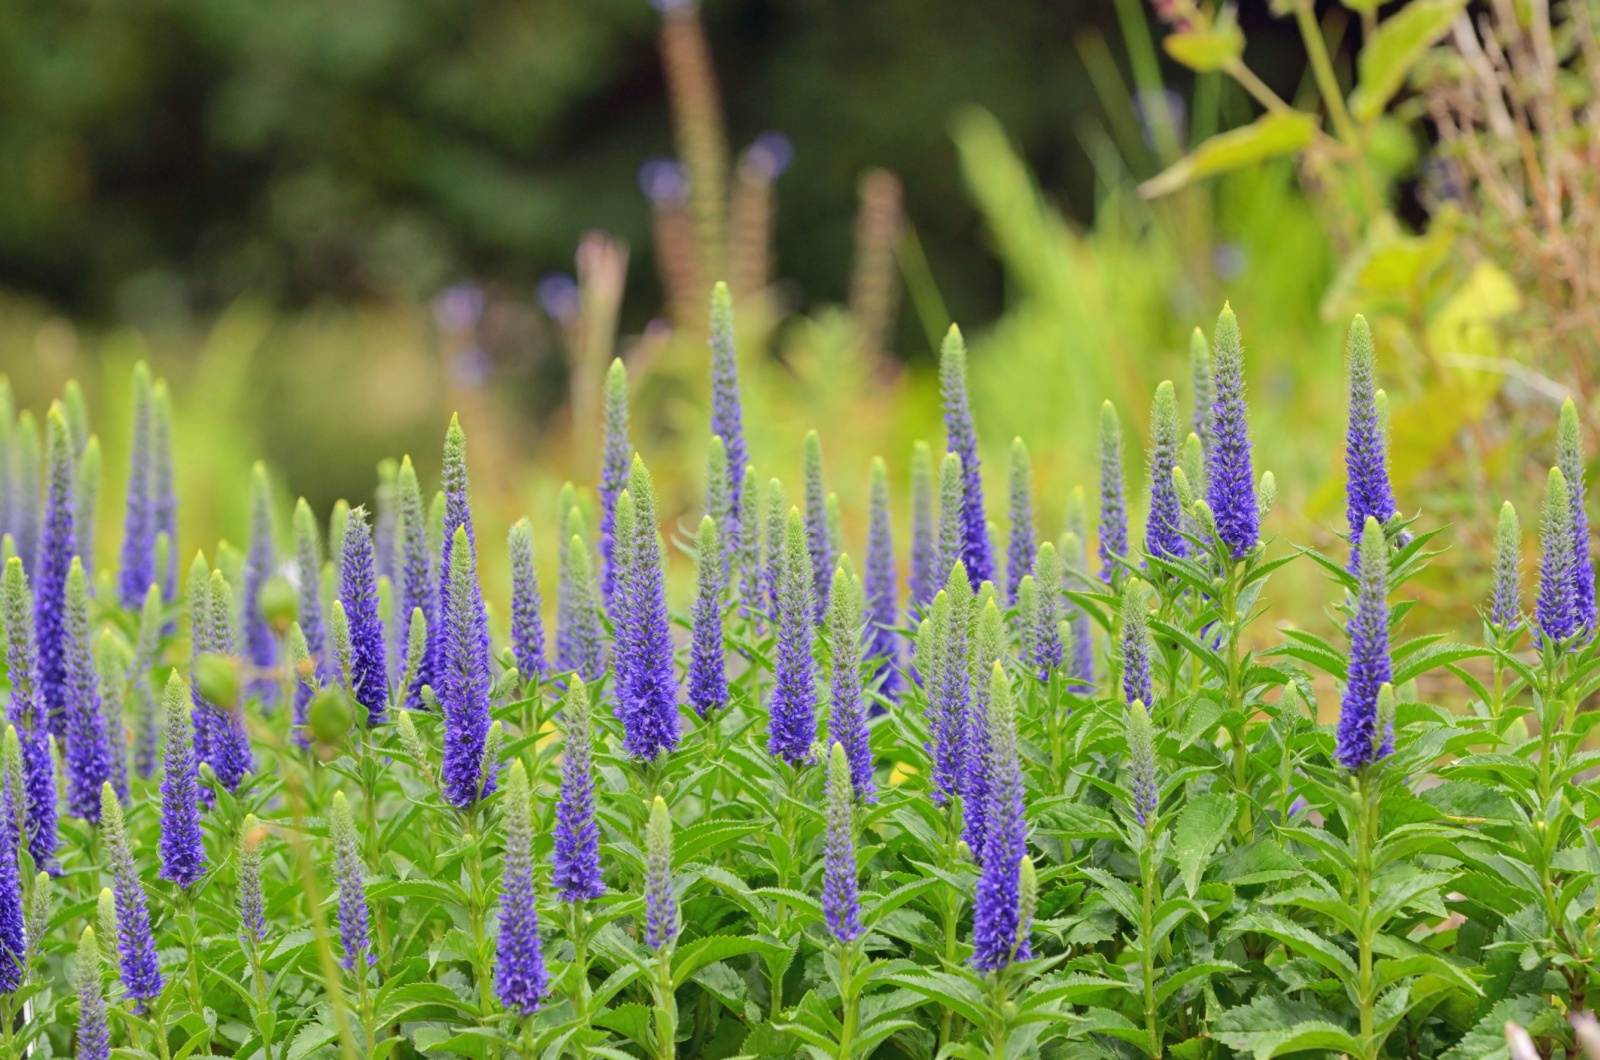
(290,807)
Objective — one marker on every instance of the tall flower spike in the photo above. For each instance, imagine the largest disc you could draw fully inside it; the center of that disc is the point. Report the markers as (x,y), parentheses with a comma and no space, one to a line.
(948,680)
(1360,741)
(1113,506)
(882,586)
(1506,608)
(660,903)
(1021,545)
(613,473)
(414,584)
(961,437)
(952,525)
(777,518)
(136,943)
(847,721)
(386,516)
(94,1035)
(623,627)
(13,929)
(463,676)
(308,563)
(164,484)
(85,754)
(338,524)
(1049,651)
(1230,478)
(1365,445)
(719,497)
(76,408)
(751,593)
(252,902)
(358,592)
(86,498)
(355,931)
(578,609)
(727,415)
(14,777)
(819,542)
(261,559)
(999,927)
(708,680)
(111,661)
(1569,453)
(1163,536)
(988,645)
(575,857)
(1556,607)
(30,486)
(527,629)
(1135,644)
(183,851)
(456,513)
(1075,564)
(648,704)
(1202,422)
(841,901)
(924,532)
(792,722)
(27,716)
(520,979)
(58,543)
(230,756)
(1143,790)
(197,601)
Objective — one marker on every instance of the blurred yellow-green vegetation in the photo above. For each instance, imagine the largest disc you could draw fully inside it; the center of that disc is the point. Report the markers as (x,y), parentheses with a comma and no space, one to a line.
(329,229)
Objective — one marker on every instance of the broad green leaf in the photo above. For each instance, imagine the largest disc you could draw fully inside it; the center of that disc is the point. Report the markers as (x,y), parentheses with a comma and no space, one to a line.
(1271,135)
(1201,826)
(1205,50)
(1400,41)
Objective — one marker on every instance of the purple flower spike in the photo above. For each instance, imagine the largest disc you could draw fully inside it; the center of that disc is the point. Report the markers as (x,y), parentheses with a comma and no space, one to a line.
(819,543)
(1556,607)
(1361,740)
(527,630)
(520,979)
(708,680)
(1569,452)
(847,722)
(1143,788)
(647,695)
(138,568)
(1163,537)
(660,903)
(13,932)
(261,648)
(227,744)
(358,592)
(1506,608)
(136,943)
(308,562)
(1366,459)
(924,534)
(792,722)
(962,439)
(944,648)
(841,902)
(183,851)
(461,665)
(882,586)
(614,468)
(355,928)
(1020,546)
(58,543)
(1001,914)
(86,753)
(415,585)
(727,415)
(163,485)
(1135,644)
(1113,506)
(575,858)
(94,1035)
(27,715)
(1230,477)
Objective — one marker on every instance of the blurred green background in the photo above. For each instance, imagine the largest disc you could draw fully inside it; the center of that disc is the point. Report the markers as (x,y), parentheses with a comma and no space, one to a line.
(329,226)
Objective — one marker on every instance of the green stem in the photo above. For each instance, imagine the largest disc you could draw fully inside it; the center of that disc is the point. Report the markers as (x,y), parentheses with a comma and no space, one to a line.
(666,1007)
(1366,826)
(1147,873)
(999,1025)
(578,930)
(852,1002)
(191,946)
(258,981)
(365,993)
(1328,87)
(475,914)
(1241,753)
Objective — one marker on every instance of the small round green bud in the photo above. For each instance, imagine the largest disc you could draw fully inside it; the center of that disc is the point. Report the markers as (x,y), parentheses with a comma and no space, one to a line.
(218,679)
(328,715)
(279,605)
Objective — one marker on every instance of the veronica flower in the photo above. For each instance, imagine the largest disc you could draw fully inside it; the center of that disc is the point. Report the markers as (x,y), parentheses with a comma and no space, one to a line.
(1113,508)
(988,644)
(962,439)
(952,508)
(461,664)
(13,930)
(415,586)
(661,906)
(111,676)
(719,500)
(163,485)
(708,680)
(1360,738)
(1203,419)
(613,472)
(58,543)
(1000,914)
(1049,651)
(136,944)
(1163,535)
(94,1036)
(1365,448)
(1556,607)
(584,653)
(355,930)
(1569,452)
(777,518)
(751,585)
(198,604)
(792,723)
(727,416)
(1506,609)
(358,592)
(28,717)
(76,409)
(841,903)
(30,486)
(252,912)
(1020,546)
(261,648)
(1135,644)
(947,677)
(1143,788)
(227,747)
(647,686)
(86,494)
(85,754)
(527,632)
(1230,480)
(818,540)
(882,588)
(519,973)
(924,540)
(183,851)
(575,857)
(308,562)
(847,722)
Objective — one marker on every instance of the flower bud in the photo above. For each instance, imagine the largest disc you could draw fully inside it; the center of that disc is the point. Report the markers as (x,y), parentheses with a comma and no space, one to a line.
(217,677)
(278,603)
(329,715)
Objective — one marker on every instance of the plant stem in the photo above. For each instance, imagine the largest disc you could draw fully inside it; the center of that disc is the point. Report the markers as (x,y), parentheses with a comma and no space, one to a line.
(666,1007)
(578,930)
(1148,884)
(1366,791)
(852,1002)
